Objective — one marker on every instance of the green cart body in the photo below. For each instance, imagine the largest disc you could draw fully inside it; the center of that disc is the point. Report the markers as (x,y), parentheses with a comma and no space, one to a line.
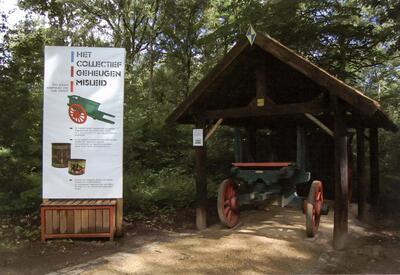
(80,108)
(258,182)
(253,183)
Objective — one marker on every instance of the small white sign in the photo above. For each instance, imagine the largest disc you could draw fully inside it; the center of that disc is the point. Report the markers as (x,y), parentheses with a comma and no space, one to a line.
(198,137)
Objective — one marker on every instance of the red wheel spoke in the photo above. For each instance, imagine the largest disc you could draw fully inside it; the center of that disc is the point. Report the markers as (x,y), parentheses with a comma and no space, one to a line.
(226,210)
(227,201)
(229,215)
(313,208)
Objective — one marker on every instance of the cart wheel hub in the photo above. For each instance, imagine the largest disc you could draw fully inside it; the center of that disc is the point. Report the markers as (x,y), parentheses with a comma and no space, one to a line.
(233,203)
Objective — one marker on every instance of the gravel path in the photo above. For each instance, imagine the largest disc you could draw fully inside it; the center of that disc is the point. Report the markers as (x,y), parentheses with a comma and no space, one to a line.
(270,241)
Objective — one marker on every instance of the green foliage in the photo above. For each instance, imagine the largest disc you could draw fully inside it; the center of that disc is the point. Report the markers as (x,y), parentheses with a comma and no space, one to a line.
(168,187)
(170,46)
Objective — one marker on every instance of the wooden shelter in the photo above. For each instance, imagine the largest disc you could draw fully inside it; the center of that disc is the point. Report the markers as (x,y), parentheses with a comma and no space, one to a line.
(268,86)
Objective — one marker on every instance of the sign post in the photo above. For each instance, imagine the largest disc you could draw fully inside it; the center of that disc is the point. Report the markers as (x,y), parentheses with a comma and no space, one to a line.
(83,123)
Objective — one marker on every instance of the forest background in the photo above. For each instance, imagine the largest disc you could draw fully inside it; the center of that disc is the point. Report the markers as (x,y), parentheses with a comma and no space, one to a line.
(170,46)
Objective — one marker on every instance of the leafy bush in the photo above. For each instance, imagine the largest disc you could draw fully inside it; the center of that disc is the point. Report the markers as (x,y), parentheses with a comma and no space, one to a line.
(144,189)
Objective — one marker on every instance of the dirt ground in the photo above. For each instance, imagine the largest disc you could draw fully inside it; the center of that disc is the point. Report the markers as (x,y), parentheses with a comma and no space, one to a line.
(267,241)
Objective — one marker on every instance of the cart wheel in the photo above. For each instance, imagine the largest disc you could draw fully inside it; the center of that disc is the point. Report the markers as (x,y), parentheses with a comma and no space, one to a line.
(228,210)
(77,113)
(312,208)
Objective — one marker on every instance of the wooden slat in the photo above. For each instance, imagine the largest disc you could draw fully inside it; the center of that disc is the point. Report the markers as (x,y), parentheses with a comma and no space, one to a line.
(99,220)
(113,222)
(85,202)
(56,221)
(106,220)
(86,235)
(49,221)
(63,221)
(70,221)
(92,221)
(85,221)
(77,221)
(113,202)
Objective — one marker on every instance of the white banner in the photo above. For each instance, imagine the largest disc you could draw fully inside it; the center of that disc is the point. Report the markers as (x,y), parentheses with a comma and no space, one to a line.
(83,122)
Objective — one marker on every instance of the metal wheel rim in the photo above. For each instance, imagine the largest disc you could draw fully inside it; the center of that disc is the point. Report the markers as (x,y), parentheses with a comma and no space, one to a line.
(313,208)
(228,211)
(77,113)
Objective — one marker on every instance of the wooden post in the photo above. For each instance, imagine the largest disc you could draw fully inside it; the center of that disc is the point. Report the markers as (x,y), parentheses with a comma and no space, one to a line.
(361,182)
(262,91)
(340,229)
(238,145)
(119,217)
(301,148)
(201,183)
(252,136)
(374,165)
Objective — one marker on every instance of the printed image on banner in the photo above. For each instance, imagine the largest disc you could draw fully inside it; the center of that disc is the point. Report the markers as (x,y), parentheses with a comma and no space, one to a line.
(83,122)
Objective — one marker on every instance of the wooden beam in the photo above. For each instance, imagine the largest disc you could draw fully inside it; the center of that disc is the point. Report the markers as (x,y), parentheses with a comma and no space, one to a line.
(374,165)
(201,183)
(341,206)
(213,129)
(315,106)
(319,123)
(361,181)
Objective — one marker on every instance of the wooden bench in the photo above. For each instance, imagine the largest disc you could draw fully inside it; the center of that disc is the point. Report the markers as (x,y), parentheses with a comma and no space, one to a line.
(77,219)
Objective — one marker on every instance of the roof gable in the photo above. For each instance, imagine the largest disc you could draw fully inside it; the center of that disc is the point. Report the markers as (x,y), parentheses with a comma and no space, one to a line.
(301,66)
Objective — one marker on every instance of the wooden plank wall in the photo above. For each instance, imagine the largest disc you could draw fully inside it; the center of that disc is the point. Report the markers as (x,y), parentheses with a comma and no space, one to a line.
(77,221)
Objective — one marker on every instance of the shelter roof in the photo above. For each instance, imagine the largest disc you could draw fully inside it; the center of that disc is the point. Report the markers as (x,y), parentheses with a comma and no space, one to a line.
(290,79)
